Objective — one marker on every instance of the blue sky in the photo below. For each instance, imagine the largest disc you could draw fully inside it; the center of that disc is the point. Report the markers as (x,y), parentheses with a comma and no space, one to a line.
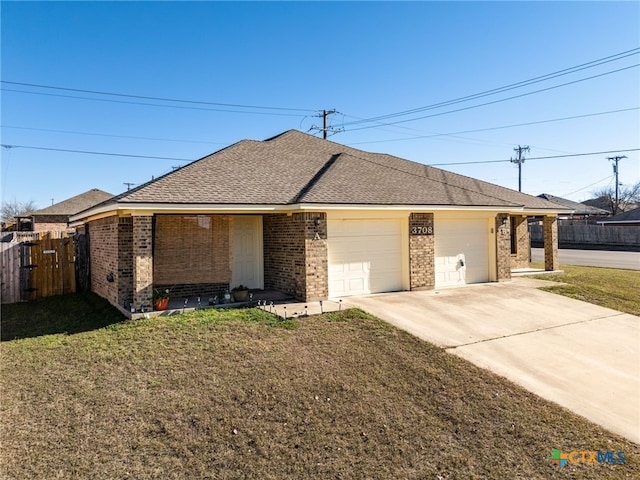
(294,59)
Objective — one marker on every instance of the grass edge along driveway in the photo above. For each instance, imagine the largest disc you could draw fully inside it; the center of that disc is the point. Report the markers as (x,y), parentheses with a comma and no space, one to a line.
(238,394)
(608,287)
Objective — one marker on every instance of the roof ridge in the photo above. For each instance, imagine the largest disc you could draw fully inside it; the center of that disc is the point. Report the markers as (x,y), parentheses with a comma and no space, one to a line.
(316,178)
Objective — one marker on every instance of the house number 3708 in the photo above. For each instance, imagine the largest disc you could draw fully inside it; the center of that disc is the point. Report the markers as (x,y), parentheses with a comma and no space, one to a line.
(426,230)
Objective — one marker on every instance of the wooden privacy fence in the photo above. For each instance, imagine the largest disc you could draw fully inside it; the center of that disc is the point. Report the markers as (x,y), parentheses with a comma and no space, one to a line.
(40,267)
(10,272)
(612,235)
(52,267)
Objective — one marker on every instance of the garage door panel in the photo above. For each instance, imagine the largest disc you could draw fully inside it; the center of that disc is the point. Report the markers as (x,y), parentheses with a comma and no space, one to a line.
(365,256)
(461,251)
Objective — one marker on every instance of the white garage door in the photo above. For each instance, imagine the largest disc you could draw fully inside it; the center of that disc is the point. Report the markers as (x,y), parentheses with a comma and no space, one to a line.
(462,251)
(365,256)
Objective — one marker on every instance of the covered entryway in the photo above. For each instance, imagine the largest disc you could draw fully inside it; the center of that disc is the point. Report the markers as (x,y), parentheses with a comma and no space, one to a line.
(365,256)
(461,251)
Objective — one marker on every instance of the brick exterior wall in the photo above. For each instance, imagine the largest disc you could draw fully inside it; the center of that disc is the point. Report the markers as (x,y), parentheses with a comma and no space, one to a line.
(520,259)
(503,246)
(192,255)
(50,223)
(205,291)
(103,254)
(142,237)
(282,250)
(550,226)
(295,260)
(421,253)
(125,261)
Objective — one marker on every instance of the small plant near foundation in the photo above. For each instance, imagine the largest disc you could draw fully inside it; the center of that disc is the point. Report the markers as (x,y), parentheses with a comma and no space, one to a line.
(161,293)
(240,293)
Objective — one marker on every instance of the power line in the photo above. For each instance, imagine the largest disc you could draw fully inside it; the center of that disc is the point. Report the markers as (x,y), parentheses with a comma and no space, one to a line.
(111,135)
(519,161)
(511,86)
(588,186)
(616,159)
(97,153)
(182,107)
(536,158)
(325,127)
(496,101)
(146,97)
(418,137)
(191,159)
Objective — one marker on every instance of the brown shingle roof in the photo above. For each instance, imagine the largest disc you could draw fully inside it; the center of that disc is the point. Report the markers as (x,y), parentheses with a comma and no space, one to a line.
(578,208)
(76,204)
(295,167)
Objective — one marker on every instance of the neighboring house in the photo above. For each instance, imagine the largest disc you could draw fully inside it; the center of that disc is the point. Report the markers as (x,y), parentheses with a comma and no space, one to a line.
(56,217)
(311,218)
(578,210)
(629,218)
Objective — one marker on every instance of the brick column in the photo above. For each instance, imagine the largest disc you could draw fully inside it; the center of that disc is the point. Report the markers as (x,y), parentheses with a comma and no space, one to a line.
(312,278)
(520,258)
(503,247)
(421,251)
(143,262)
(550,226)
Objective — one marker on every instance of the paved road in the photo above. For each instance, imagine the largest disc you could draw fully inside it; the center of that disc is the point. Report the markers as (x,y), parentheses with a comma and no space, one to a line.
(593,258)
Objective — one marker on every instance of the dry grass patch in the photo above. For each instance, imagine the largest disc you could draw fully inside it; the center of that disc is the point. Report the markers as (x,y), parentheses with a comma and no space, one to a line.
(607,287)
(233,395)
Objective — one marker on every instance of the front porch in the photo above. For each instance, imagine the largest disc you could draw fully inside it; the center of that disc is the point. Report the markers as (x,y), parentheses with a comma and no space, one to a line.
(280,304)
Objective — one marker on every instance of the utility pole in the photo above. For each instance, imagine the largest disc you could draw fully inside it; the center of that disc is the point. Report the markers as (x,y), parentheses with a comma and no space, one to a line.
(325,127)
(519,161)
(128,184)
(616,159)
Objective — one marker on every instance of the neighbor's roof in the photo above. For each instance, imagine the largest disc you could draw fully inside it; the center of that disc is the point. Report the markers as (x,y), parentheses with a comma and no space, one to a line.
(630,216)
(578,208)
(297,168)
(76,204)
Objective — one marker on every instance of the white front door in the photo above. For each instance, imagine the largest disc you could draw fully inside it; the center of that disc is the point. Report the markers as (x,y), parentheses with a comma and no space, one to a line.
(247,263)
(462,251)
(365,256)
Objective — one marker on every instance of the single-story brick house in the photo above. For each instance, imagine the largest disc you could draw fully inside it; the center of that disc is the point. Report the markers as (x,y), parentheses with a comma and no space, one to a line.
(630,218)
(55,218)
(312,218)
(578,210)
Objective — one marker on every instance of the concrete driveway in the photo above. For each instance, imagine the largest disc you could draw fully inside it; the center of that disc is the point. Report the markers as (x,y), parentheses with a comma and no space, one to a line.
(581,356)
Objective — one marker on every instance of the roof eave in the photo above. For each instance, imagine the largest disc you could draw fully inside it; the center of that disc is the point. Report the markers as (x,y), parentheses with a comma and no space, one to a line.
(230,208)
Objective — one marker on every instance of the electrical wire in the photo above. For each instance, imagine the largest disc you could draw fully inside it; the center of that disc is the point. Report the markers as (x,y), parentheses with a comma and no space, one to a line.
(146,97)
(608,177)
(97,153)
(537,158)
(511,86)
(7,146)
(418,137)
(111,135)
(495,101)
(182,107)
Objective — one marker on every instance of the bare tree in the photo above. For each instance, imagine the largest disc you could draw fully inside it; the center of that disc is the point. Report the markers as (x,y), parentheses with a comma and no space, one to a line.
(15,208)
(605,198)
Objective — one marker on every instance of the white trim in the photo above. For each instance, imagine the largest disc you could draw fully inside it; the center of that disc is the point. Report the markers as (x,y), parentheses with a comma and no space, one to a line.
(152,208)
(616,222)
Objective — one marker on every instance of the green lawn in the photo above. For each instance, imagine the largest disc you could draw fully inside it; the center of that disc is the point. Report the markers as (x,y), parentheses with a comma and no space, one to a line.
(607,287)
(238,394)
